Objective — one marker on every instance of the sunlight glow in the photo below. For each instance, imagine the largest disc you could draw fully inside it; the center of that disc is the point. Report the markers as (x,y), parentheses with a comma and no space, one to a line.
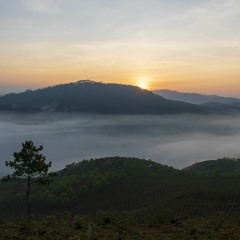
(143,85)
(143,82)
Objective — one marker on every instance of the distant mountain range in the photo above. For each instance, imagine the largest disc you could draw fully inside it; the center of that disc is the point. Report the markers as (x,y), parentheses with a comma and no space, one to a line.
(194,98)
(222,107)
(94,97)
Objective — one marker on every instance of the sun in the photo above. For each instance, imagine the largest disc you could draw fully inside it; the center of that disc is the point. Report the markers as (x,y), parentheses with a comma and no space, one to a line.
(142,82)
(143,85)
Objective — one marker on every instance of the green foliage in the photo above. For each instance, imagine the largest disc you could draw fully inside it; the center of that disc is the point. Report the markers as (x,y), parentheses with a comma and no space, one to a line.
(29,163)
(216,168)
(79,180)
(155,193)
(127,198)
(30,170)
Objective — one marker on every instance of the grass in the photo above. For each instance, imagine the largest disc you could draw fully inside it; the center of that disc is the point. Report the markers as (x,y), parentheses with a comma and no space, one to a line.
(118,226)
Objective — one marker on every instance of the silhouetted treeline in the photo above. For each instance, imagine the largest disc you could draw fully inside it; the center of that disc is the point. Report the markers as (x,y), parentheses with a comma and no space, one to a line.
(94,97)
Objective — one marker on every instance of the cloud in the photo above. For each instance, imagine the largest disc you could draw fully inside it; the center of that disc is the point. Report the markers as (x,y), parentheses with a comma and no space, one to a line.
(216,11)
(47,7)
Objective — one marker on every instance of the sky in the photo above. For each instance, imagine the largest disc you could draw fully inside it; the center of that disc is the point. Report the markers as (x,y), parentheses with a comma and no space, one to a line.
(187,45)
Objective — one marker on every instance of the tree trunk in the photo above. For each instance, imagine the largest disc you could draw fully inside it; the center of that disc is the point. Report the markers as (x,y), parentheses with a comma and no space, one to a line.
(28,196)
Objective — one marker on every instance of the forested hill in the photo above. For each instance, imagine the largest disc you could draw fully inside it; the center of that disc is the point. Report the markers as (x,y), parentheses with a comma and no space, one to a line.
(130,185)
(90,185)
(219,167)
(125,165)
(94,97)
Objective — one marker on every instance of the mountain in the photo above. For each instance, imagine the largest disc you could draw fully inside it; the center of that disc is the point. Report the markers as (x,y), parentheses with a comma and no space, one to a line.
(224,166)
(94,97)
(194,98)
(222,107)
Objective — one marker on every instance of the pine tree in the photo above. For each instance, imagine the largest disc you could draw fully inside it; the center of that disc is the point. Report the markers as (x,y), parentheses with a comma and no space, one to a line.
(30,170)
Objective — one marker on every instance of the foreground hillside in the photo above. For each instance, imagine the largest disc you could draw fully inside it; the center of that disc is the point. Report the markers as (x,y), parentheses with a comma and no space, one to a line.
(106,184)
(127,198)
(133,185)
(94,97)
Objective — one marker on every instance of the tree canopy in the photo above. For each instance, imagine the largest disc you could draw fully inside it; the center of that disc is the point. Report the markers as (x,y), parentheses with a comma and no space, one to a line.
(30,170)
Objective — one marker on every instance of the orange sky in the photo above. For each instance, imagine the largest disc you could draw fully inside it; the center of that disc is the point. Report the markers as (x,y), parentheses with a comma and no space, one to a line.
(188,46)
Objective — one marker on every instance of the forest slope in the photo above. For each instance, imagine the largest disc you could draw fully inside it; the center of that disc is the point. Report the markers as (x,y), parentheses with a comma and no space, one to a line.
(94,97)
(128,184)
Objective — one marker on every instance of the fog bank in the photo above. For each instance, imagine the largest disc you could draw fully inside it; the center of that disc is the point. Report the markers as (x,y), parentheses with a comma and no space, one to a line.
(175,140)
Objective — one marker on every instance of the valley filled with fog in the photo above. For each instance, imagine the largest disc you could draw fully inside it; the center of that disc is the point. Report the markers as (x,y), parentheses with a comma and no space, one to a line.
(175,140)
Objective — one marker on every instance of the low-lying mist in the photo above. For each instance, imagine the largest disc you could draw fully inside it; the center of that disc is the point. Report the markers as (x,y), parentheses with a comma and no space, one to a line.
(175,140)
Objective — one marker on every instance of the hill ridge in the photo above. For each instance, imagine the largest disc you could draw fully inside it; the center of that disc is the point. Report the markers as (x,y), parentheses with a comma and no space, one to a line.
(222,166)
(94,97)
(195,98)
